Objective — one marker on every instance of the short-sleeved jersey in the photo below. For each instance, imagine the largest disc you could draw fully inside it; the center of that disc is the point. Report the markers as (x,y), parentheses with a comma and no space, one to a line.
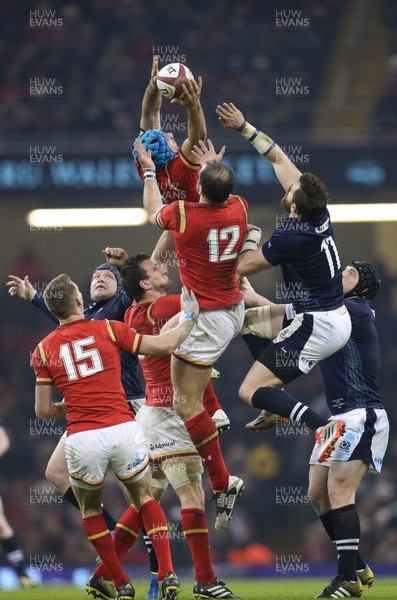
(82,358)
(350,375)
(310,263)
(208,240)
(148,318)
(113,309)
(178,180)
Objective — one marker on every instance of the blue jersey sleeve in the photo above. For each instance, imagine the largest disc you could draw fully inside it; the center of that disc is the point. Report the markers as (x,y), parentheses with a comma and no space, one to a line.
(38,301)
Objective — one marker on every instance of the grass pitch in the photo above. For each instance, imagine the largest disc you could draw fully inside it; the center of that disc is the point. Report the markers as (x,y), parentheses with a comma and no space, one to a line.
(247,589)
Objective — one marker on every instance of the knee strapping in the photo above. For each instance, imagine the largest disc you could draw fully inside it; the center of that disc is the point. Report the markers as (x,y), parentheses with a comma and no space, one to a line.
(259,322)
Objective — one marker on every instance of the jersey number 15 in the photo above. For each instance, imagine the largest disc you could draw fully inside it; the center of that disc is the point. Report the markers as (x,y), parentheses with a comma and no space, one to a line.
(78,361)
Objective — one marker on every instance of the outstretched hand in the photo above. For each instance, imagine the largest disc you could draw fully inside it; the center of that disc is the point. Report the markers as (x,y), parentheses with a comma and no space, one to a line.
(191,94)
(144,156)
(155,71)
(247,290)
(205,153)
(229,115)
(20,287)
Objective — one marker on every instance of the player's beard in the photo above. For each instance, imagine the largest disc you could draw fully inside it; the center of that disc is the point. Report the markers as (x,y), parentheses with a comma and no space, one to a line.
(286,204)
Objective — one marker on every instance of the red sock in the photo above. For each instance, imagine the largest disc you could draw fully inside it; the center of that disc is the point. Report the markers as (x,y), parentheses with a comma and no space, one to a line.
(155,523)
(126,531)
(210,400)
(99,536)
(204,436)
(125,534)
(194,525)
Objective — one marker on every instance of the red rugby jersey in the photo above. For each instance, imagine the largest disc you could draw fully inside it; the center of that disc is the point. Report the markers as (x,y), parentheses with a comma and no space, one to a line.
(82,358)
(148,318)
(208,240)
(178,180)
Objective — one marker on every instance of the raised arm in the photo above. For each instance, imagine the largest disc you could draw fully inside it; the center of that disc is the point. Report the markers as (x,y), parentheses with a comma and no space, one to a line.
(152,201)
(25,290)
(116,257)
(232,118)
(196,126)
(164,249)
(151,102)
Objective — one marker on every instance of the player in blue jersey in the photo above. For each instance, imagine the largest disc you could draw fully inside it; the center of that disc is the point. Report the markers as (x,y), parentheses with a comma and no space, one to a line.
(351,388)
(303,245)
(109,301)
(350,379)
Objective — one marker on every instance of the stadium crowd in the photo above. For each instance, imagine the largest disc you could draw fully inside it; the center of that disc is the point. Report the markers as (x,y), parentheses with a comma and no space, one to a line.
(101,52)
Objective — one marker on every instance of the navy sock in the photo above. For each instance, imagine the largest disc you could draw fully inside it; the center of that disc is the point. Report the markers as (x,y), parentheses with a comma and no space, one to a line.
(327,520)
(14,555)
(347,538)
(281,403)
(154,565)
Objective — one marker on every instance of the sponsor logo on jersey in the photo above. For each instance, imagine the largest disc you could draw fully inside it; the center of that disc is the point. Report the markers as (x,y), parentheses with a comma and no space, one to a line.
(322,227)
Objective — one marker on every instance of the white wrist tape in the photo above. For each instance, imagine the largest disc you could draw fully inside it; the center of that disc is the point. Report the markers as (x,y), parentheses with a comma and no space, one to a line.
(260,141)
(252,240)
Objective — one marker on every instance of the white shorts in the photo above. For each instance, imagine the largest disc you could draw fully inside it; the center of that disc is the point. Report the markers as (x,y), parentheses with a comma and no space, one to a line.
(366,437)
(211,335)
(121,448)
(311,337)
(167,437)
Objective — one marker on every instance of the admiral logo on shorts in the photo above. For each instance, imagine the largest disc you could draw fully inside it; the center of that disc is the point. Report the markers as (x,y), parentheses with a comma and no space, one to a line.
(163,445)
(138,460)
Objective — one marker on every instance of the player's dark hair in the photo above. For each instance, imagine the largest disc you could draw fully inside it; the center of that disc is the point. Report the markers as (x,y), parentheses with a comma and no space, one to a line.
(311,198)
(60,296)
(217,181)
(132,274)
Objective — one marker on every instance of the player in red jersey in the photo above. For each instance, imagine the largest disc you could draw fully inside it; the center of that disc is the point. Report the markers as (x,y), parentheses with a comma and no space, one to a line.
(82,359)
(177,167)
(208,237)
(172,454)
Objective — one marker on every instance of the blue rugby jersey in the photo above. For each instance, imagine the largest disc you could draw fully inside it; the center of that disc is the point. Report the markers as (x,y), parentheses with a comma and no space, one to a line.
(350,375)
(310,264)
(113,309)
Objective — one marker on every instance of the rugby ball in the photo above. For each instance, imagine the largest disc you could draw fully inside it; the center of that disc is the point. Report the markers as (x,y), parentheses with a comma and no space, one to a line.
(170,79)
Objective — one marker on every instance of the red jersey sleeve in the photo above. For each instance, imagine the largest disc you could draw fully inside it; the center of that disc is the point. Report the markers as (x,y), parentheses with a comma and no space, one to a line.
(172,217)
(164,309)
(38,362)
(126,339)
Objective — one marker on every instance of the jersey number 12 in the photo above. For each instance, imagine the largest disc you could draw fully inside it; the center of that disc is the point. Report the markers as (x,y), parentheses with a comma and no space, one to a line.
(215,235)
